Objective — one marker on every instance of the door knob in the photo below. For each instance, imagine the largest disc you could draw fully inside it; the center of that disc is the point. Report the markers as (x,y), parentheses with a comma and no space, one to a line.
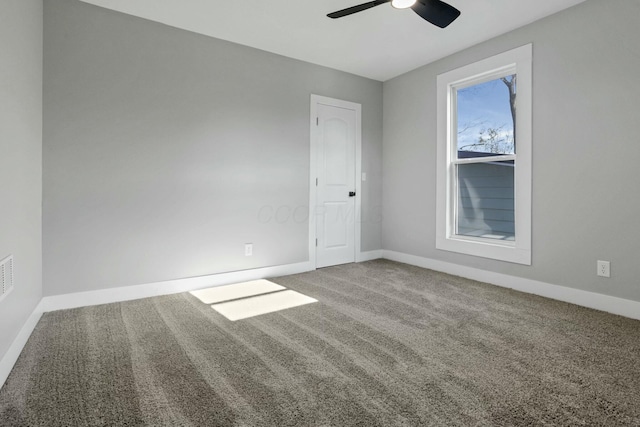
(352,193)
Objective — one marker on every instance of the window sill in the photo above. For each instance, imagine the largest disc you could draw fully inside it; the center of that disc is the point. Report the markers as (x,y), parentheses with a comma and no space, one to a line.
(486,248)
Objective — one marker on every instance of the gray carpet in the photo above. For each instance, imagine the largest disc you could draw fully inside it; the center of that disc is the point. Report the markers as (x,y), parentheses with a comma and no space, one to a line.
(388,344)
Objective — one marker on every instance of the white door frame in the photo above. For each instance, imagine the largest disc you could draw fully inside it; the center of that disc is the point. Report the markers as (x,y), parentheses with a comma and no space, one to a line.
(313,173)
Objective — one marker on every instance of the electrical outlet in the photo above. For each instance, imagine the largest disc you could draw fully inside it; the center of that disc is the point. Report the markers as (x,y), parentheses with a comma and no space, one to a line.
(248,249)
(604,268)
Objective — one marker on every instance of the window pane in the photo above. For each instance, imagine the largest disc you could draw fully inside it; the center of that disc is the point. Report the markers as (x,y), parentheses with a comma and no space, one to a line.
(486,118)
(485,205)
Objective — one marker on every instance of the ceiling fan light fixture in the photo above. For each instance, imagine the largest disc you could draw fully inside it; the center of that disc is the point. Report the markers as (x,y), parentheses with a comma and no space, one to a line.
(402,4)
(437,12)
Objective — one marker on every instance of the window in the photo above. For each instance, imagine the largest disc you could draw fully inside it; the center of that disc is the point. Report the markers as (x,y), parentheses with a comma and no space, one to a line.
(484,158)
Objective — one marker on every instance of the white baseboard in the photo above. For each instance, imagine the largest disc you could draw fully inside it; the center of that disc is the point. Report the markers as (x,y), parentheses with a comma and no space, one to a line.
(620,306)
(368,256)
(11,356)
(614,305)
(127,293)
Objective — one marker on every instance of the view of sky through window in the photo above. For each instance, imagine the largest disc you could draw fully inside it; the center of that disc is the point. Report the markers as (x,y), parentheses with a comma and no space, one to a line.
(485,122)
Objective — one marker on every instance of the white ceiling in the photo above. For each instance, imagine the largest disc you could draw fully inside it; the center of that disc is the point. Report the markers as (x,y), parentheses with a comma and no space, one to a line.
(378,43)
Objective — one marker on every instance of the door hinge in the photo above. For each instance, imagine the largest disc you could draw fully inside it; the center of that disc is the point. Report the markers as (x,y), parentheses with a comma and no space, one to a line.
(316,243)
(316,182)
(317,121)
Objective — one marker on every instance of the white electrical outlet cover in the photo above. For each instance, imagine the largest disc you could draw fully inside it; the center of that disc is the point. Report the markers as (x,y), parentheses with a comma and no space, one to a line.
(604,268)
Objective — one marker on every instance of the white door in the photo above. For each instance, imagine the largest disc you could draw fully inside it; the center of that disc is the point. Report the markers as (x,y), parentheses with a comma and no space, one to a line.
(336,184)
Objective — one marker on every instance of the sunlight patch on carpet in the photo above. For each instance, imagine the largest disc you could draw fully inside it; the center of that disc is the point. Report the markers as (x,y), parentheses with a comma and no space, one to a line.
(239,290)
(263,304)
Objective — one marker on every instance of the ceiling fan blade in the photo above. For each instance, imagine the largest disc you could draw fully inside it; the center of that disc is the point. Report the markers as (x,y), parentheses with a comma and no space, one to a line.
(355,9)
(437,12)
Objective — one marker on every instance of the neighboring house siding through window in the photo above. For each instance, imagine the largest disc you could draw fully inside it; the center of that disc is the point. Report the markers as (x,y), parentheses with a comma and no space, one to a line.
(486,200)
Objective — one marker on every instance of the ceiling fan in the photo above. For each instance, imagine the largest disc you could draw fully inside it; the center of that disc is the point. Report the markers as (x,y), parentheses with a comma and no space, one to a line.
(437,12)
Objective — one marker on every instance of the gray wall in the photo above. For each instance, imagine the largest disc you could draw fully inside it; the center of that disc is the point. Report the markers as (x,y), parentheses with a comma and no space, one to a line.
(585,153)
(20,159)
(162,147)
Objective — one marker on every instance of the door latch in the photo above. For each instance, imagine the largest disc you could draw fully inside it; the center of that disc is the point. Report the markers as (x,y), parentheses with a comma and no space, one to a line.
(352,193)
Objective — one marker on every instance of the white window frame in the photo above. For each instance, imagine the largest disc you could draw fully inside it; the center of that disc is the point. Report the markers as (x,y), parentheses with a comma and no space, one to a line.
(517,61)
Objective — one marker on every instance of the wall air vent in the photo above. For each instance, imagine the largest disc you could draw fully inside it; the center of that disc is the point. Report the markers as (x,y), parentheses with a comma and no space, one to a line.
(6,276)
